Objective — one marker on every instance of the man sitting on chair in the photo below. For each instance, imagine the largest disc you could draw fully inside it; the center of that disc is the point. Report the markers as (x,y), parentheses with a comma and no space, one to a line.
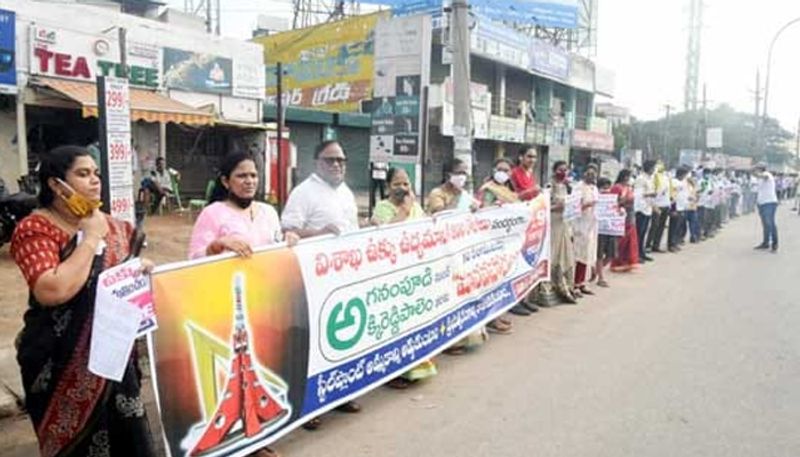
(158,185)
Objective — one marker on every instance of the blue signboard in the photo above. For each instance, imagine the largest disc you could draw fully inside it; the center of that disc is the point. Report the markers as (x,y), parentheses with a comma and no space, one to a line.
(549,60)
(8,61)
(544,13)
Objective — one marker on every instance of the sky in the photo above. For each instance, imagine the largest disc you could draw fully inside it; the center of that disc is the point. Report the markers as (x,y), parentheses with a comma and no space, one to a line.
(645,43)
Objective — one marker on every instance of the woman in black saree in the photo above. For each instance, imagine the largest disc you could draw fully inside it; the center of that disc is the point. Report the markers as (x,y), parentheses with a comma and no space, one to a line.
(60,249)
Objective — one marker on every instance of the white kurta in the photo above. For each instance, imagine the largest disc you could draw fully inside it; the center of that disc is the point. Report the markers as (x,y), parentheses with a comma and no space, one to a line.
(584,228)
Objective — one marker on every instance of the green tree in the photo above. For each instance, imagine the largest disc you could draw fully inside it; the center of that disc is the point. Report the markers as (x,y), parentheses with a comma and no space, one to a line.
(686,130)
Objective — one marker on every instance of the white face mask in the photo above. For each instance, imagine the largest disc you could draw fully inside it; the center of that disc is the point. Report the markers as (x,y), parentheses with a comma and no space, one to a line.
(458,181)
(501,177)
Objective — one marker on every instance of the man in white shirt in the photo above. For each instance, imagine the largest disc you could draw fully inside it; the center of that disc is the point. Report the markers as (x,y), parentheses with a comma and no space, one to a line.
(644,191)
(158,185)
(767,204)
(677,218)
(320,205)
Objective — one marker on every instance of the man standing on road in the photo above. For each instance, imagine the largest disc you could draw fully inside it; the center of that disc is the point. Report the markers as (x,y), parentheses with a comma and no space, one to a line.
(644,191)
(323,204)
(662,212)
(767,204)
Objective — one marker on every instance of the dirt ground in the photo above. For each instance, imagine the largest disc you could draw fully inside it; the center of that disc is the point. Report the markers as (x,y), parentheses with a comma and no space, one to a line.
(167,241)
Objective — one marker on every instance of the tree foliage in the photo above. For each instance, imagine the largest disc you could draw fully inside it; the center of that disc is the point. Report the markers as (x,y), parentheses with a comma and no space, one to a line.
(686,130)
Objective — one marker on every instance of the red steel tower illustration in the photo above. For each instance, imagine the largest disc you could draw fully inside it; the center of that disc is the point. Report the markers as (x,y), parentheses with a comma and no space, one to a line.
(245,398)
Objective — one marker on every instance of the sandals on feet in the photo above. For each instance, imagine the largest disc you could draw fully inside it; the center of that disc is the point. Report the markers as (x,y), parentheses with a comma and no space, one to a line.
(458,350)
(498,327)
(399,383)
(313,424)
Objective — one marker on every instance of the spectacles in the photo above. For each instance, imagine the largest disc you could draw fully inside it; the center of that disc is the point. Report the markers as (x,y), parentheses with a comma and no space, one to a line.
(330,161)
(530,156)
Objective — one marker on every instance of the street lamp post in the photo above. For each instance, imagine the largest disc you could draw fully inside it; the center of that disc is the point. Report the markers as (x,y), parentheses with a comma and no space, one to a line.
(766,82)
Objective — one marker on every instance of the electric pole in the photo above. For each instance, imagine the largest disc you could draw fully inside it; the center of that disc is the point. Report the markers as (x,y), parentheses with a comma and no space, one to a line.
(704,129)
(797,150)
(123,51)
(462,109)
(665,154)
(757,126)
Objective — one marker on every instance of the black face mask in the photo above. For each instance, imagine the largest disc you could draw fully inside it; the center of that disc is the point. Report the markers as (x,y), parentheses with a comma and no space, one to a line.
(399,194)
(243,203)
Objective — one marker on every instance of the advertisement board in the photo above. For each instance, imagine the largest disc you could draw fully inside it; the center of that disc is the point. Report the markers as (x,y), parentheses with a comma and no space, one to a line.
(584,139)
(65,54)
(508,129)
(481,102)
(328,67)
(581,73)
(714,138)
(115,141)
(249,80)
(196,72)
(499,42)
(548,60)
(8,53)
(544,13)
(402,67)
(247,351)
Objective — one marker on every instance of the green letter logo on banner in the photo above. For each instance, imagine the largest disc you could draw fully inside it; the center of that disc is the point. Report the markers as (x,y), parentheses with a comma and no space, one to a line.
(355,313)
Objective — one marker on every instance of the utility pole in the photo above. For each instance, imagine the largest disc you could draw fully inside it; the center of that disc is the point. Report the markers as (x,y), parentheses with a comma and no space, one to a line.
(665,154)
(757,126)
(282,185)
(462,109)
(797,150)
(704,129)
(123,51)
(208,16)
(219,18)
(693,55)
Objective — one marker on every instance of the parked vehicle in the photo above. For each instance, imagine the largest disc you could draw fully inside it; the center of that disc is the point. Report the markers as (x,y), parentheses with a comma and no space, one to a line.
(13,208)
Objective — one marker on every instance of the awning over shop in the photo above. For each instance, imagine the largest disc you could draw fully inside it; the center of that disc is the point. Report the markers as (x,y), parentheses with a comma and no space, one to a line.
(145,105)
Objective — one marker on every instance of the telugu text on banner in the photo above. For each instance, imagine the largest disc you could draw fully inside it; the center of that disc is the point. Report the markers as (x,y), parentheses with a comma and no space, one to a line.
(248,349)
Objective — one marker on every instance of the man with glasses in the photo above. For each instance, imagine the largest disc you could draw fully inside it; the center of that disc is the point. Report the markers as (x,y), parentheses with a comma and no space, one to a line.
(323,204)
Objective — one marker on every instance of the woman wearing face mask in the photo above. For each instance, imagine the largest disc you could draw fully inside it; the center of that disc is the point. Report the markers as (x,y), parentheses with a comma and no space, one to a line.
(561,249)
(61,249)
(585,230)
(523,177)
(452,194)
(497,190)
(236,223)
(399,207)
(627,257)
(401,204)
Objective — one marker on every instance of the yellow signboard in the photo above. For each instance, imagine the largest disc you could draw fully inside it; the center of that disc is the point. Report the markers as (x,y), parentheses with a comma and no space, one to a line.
(329,66)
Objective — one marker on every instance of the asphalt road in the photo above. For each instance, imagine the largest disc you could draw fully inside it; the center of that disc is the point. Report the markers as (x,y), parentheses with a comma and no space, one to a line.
(695,355)
(698,354)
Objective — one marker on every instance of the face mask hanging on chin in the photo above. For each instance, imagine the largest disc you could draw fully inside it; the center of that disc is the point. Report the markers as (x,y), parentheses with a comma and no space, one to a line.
(77,204)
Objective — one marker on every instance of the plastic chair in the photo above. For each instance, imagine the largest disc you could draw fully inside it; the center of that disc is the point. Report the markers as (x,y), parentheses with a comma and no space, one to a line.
(174,197)
(198,204)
